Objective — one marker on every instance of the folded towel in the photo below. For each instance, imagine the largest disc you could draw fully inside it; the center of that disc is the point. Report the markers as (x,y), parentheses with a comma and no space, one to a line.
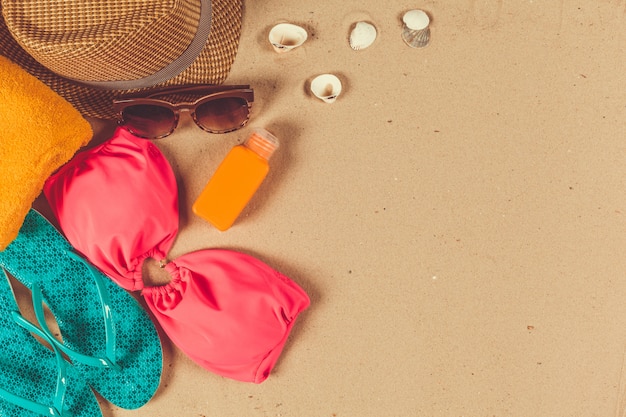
(39,132)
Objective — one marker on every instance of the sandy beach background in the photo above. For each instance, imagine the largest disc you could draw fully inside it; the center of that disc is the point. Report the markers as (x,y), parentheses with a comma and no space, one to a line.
(457,216)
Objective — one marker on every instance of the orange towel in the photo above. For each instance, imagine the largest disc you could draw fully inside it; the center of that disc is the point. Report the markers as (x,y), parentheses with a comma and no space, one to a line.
(39,132)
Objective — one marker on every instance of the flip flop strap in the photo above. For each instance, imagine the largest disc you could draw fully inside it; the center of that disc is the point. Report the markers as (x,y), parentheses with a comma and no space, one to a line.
(56,410)
(107,361)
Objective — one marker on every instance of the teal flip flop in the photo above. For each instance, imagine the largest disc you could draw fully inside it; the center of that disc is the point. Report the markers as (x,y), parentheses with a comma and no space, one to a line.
(34,380)
(107,335)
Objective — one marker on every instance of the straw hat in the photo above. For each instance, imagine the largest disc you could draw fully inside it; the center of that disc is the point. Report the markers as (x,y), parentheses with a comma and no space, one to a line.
(91,51)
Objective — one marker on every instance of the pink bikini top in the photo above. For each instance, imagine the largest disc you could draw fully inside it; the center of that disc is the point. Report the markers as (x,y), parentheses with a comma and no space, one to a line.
(117,203)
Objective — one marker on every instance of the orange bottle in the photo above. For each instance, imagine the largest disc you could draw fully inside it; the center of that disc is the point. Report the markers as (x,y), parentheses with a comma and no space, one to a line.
(236,180)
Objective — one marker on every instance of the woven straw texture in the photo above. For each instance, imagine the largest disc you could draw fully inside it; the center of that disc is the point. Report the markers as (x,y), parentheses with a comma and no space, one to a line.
(117,35)
(115,40)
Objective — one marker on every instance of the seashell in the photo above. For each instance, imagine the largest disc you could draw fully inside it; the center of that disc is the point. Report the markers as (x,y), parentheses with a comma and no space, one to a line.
(326,87)
(416,32)
(363,34)
(286,36)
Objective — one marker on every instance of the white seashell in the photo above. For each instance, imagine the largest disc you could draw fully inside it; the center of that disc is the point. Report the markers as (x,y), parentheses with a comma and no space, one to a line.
(286,36)
(363,34)
(415,31)
(416,19)
(326,87)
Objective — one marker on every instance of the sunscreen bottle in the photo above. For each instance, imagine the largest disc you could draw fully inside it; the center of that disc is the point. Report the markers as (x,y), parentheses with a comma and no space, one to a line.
(236,180)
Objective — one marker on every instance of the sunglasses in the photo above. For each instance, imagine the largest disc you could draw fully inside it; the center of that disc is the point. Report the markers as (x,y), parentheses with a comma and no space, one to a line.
(216,109)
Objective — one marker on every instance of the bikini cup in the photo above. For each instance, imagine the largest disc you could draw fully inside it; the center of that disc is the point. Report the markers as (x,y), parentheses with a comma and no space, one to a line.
(117,204)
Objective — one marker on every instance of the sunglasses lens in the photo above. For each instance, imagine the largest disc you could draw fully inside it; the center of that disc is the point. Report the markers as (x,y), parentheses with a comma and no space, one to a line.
(149,121)
(223,114)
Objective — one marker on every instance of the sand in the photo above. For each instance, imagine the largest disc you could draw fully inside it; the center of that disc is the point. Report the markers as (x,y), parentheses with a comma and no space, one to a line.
(457,215)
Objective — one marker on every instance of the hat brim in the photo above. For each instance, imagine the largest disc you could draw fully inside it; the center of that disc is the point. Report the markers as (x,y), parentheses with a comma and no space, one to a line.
(210,67)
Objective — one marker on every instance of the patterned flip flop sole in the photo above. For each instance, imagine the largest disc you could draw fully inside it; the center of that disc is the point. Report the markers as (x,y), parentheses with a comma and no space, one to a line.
(35,380)
(42,259)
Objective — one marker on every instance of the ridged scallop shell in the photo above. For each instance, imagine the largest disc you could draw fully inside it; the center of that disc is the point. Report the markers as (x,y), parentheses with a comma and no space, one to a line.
(326,87)
(416,32)
(363,34)
(416,38)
